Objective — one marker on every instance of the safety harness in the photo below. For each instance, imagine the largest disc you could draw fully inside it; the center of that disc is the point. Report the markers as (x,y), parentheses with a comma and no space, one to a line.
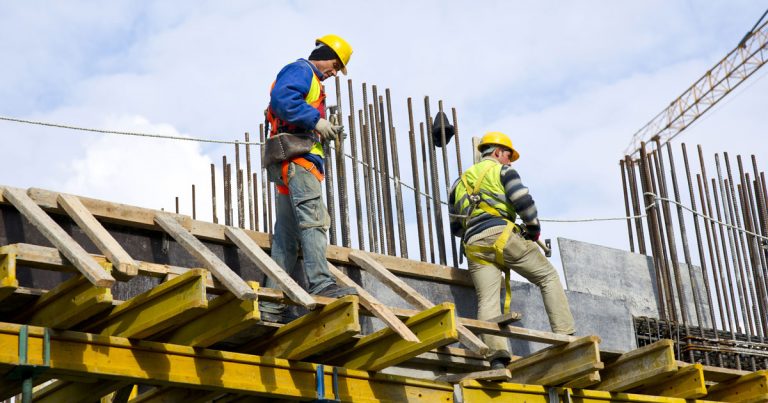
(473,251)
(302,162)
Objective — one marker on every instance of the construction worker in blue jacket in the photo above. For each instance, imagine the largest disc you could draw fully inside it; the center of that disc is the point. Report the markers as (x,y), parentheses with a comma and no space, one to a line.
(297,106)
(484,203)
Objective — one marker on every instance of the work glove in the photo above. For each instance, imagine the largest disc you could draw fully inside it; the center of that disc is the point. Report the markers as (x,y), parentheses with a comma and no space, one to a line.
(327,131)
(532,233)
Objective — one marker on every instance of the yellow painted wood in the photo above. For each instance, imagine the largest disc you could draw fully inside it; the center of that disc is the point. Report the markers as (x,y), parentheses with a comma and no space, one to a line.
(144,362)
(585,381)
(474,391)
(158,309)
(314,333)
(435,327)
(687,382)
(752,388)
(643,366)
(226,316)
(556,365)
(8,281)
(164,395)
(69,303)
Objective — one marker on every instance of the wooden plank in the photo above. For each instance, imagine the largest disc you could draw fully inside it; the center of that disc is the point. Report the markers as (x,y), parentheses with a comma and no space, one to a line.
(218,268)
(8,281)
(294,291)
(642,366)
(121,261)
(225,317)
(68,304)
(557,365)
(56,235)
(373,305)
(751,388)
(718,374)
(686,383)
(485,327)
(488,375)
(585,381)
(434,327)
(313,333)
(157,309)
(412,296)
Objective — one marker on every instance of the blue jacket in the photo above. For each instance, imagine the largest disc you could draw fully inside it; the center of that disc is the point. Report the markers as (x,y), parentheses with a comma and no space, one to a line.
(287,96)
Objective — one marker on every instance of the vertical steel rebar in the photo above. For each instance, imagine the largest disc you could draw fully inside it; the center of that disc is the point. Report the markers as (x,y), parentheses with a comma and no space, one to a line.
(265,196)
(177,204)
(239,187)
(456,140)
(376,174)
(225,183)
(341,171)
(732,290)
(355,160)
(370,208)
(255,201)
(446,176)
(329,194)
(651,212)
(416,185)
(249,175)
(435,187)
(630,165)
(194,207)
(626,206)
(426,191)
(665,258)
(757,287)
(401,230)
(384,170)
(717,276)
(213,194)
(372,160)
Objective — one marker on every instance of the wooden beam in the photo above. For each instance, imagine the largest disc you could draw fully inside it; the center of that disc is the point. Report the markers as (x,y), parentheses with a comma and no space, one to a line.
(642,366)
(8,281)
(412,296)
(121,261)
(488,375)
(68,304)
(158,309)
(218,268)
(313,333)
(373,305)
(557,365)
(585,381)
(225,317)
(164,395)
(435,327)
(686,383)
(56,235)
(751,388)
(294,291)
(60,391)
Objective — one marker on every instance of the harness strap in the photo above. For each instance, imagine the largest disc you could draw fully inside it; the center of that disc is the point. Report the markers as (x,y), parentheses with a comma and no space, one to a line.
(302,162)
(473,251)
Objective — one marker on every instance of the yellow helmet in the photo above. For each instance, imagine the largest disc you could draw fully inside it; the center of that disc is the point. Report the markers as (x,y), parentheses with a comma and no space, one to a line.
(498,139)
(340,46)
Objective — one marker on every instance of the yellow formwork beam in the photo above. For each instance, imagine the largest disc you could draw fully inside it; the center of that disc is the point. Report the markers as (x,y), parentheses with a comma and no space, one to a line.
(316,332)
(435,327)
(641,367)
(165,395)
(135,361)
(69,303)
(474,391)
(158,309)
(226,316)
(751,388)
(8,281)
(687,382)
(556,365)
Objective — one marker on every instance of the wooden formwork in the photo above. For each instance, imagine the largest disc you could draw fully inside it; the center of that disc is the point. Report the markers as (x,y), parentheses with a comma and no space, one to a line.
(198,335)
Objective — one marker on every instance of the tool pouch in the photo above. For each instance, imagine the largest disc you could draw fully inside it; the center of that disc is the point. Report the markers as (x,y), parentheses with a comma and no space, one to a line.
(285,146)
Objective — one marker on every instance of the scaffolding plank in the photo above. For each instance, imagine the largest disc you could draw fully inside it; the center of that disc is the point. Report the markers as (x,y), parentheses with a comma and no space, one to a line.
(557,365)
(316,332)
(687,383)
(145,362)
(751,388)
(121,261)
(157,309)
(373,305)
(435,327)
(488,375)
(639,367)
(68,304)
(58,237)
(218,268)
(8,281)
(225,317)
(377,270)
(269,267)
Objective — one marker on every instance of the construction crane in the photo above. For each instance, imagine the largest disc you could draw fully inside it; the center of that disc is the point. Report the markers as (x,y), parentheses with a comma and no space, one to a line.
(738,65)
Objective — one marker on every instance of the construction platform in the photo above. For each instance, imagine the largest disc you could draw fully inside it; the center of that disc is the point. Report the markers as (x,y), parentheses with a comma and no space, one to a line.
(113,302)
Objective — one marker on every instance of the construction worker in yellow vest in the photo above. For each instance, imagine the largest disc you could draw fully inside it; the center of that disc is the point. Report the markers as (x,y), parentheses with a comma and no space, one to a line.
(484,203)
(297,107)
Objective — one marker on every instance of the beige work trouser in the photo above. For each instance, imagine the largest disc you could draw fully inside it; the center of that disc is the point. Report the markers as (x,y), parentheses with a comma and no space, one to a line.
(525,258)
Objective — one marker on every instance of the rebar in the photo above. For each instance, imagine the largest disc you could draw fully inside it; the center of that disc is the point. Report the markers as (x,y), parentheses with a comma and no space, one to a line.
(416,186)
(213,195)
(456,140)
(446,176)
(370,208)
(635,203)
(194,207)
(355,175)
(651,209)
(329,197)
(626,206)
(373,143)
(435,187)
(239,184)
(426,192)
(251,194)
(401,231)
(341,171)
(386,190)
(255,201)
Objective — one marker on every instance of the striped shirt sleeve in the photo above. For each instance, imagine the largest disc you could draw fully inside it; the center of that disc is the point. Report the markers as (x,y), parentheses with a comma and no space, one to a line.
(517,194)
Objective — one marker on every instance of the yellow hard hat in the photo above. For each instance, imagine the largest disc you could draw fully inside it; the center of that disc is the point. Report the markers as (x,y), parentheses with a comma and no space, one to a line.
(340,46)
(498,139)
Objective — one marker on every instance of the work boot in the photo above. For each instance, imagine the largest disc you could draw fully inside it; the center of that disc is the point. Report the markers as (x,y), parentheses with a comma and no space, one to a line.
(334,291)
(499,359)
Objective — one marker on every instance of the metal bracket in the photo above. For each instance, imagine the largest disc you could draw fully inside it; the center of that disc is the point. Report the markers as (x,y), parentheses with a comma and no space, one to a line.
(553,395)
(25,372)
(320,380)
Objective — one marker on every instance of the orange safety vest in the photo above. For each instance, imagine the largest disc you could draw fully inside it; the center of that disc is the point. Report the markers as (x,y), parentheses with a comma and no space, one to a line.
(316,99)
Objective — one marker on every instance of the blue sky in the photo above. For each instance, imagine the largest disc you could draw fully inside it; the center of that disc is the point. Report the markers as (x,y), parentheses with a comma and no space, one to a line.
(569,81)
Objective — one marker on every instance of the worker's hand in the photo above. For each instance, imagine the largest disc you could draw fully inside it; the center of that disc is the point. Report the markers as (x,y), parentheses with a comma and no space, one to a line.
(339,133)
(326,130)
(532,234)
